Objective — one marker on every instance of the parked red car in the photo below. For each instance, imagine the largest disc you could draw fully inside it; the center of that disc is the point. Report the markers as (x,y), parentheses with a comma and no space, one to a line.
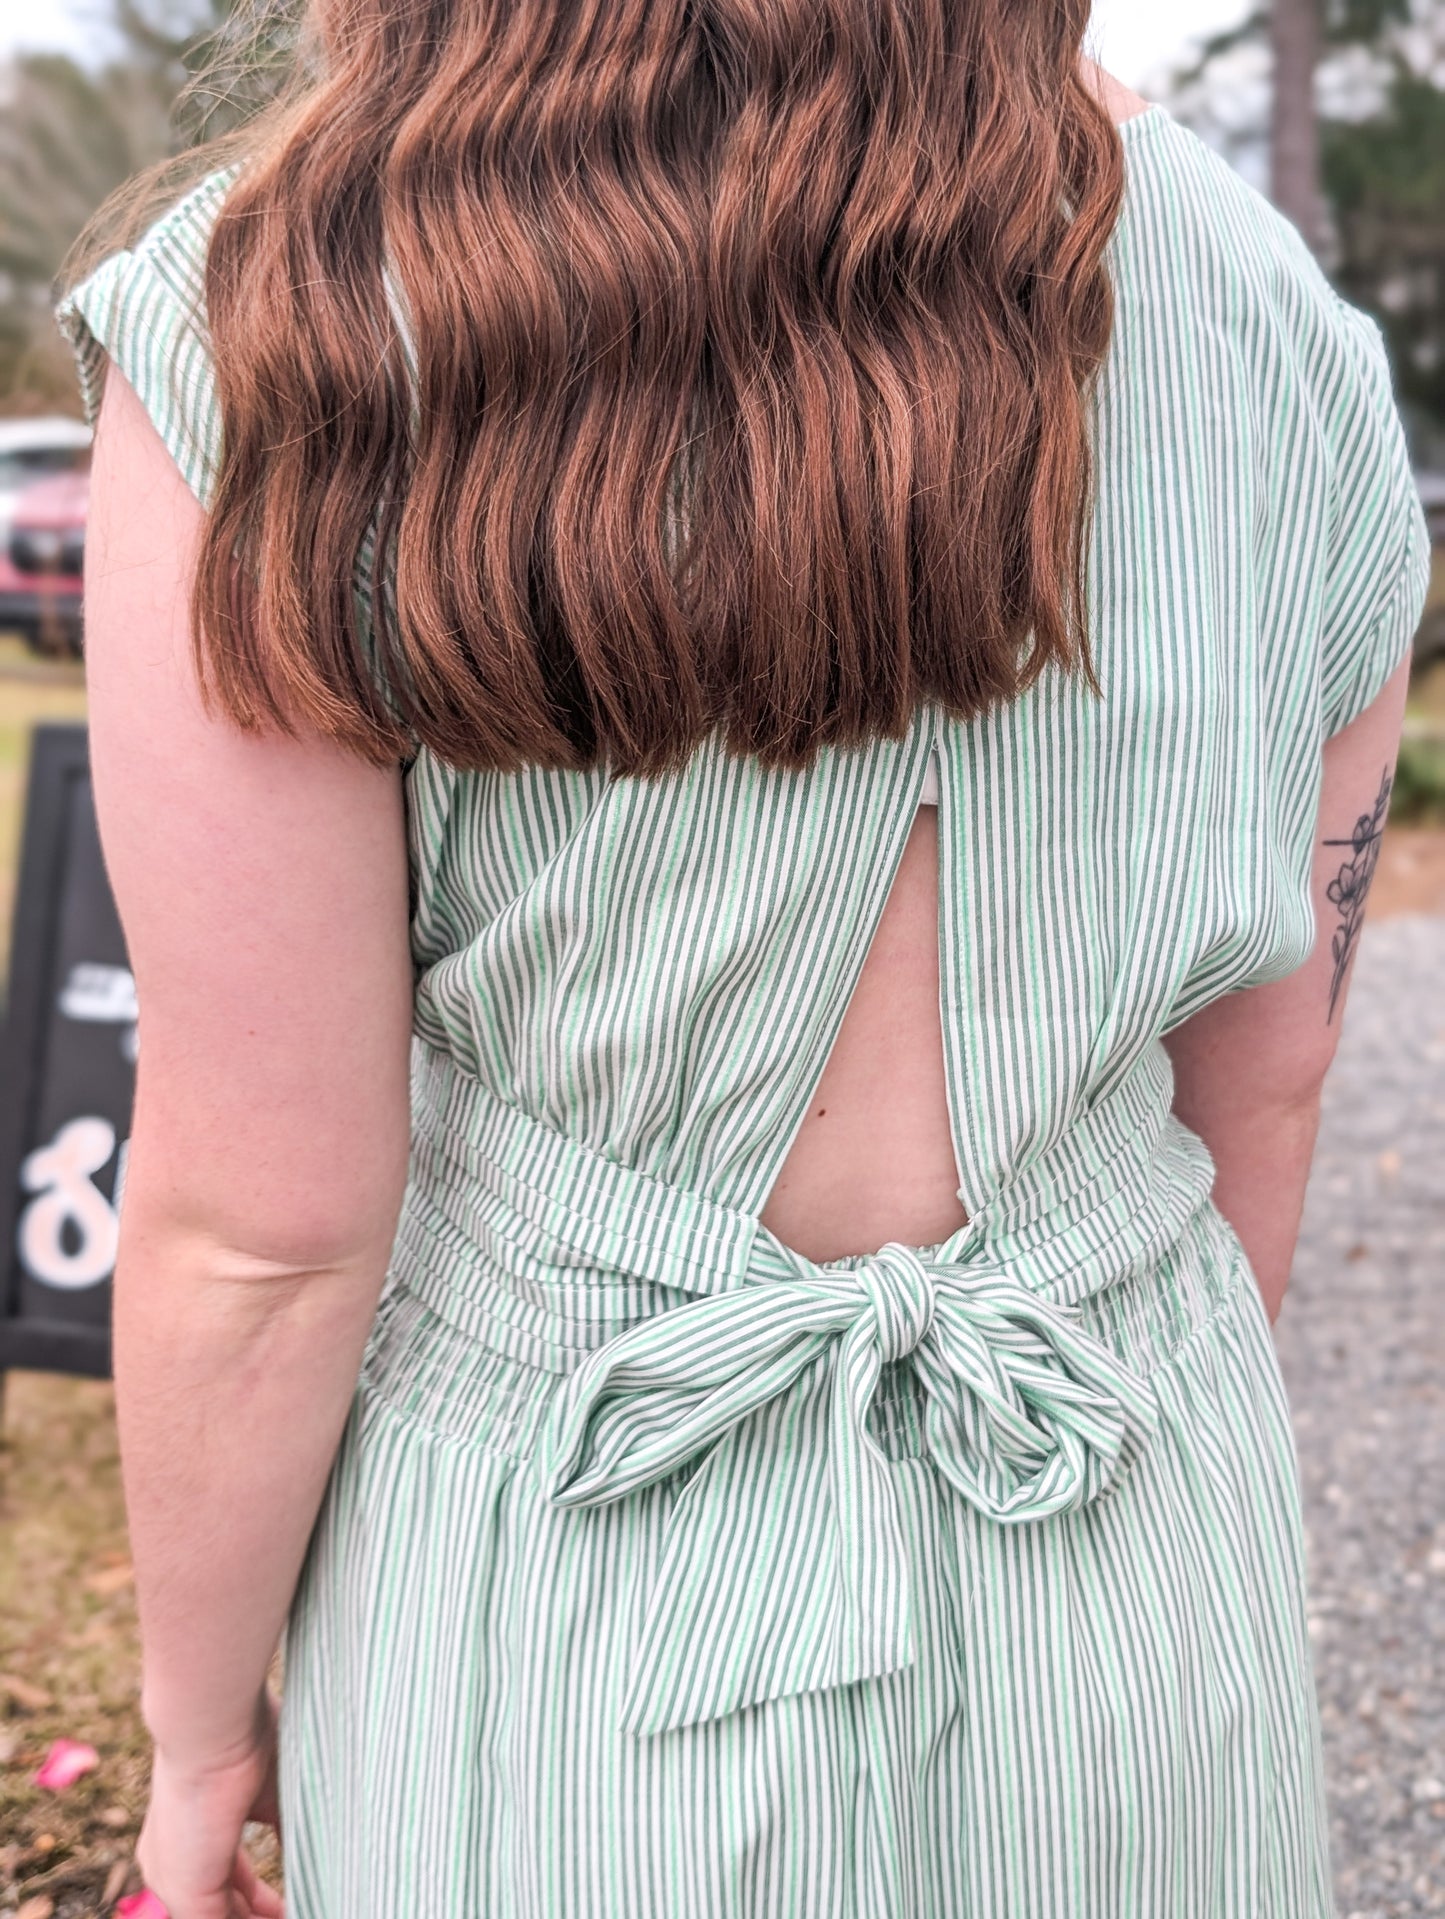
(40,570)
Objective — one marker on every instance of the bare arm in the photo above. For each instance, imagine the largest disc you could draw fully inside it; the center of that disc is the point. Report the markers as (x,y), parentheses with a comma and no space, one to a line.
(263,890)
(1249,1068)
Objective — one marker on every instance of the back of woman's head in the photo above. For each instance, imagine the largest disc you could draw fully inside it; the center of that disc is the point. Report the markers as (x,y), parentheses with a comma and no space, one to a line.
(685,365)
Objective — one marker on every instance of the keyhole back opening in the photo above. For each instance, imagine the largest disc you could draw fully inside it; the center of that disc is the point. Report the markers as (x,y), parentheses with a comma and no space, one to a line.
(873,1159)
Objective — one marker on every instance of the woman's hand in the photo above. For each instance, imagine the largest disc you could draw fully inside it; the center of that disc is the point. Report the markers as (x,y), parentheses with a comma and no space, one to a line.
(190,1851)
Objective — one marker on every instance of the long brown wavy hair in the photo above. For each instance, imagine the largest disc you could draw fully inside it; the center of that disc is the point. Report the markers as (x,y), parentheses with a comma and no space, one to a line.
(685,365)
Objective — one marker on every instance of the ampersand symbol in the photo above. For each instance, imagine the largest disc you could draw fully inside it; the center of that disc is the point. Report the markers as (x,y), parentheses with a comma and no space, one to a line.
(59,1175)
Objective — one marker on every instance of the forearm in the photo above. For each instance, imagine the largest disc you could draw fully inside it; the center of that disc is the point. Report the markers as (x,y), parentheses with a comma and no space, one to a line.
(1262,1154)
(233,1382)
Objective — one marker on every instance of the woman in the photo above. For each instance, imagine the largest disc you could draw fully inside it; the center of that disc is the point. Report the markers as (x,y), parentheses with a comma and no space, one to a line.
(728,652)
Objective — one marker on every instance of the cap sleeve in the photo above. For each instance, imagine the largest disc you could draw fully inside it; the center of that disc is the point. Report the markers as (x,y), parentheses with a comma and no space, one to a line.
(1378,551)
(144,308)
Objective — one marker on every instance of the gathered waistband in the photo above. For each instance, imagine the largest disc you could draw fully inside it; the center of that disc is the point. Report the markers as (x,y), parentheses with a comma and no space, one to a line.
(548,1246)
(661,1327)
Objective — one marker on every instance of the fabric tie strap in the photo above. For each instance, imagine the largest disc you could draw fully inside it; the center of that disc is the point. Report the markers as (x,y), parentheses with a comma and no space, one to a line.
(784,1565)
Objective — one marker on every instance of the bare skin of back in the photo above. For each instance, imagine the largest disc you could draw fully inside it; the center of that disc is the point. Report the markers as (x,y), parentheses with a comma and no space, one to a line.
(873,1160)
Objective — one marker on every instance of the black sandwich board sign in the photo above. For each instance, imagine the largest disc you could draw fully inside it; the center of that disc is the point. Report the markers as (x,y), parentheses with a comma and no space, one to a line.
(67,1076)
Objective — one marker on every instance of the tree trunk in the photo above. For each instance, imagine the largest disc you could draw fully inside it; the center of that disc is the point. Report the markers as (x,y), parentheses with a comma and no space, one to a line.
(1295,35)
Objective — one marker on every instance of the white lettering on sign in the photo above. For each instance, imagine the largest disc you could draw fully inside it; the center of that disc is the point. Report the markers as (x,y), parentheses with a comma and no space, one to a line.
(59,1175)
(93,991)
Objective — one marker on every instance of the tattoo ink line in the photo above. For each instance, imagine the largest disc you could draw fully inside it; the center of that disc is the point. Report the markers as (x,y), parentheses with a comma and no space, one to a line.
(1350,887)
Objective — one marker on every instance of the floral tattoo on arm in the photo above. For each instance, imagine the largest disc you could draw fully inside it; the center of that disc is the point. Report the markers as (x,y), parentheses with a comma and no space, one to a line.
(1351,885)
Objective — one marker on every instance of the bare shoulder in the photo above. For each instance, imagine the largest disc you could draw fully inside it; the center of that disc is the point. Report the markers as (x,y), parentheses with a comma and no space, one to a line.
(1121,102)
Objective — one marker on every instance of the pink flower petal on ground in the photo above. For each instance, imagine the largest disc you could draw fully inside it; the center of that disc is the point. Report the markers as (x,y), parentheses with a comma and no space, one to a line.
(141,1905)
(64,1763)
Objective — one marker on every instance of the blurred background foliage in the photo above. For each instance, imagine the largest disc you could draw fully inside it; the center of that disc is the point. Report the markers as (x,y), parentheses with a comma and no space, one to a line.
(1340,106)
(1385,182)
(181,72)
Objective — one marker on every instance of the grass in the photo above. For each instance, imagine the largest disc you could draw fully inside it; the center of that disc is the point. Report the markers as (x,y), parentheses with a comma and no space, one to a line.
(68,1648)
(69,1654)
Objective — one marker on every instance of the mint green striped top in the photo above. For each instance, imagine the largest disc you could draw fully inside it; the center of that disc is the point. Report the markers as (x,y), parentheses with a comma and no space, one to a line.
(663,1571)
(656,969)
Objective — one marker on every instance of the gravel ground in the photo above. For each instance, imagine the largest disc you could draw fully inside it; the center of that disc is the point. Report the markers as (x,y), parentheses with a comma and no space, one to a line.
(1362,1343)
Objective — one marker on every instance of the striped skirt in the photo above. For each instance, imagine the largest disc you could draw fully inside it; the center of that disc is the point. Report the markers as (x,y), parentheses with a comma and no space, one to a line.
(664,1572)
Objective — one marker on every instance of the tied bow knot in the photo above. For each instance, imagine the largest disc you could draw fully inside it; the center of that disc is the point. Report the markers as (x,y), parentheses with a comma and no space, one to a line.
(900,1291)
(784,1563)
